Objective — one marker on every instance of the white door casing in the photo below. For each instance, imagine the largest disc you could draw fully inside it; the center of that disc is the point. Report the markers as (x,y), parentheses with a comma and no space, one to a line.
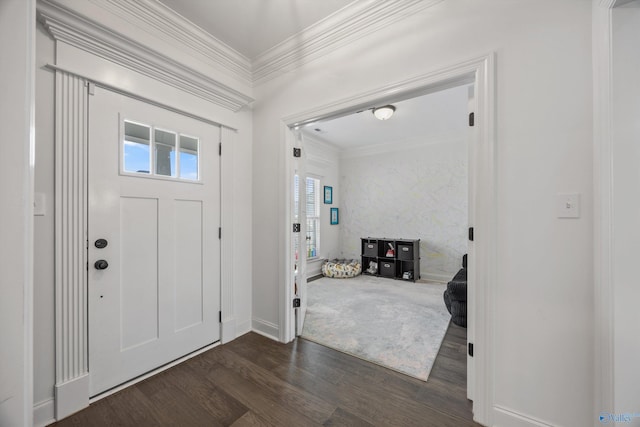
(299,248)
(482,271)
(471,290)
(159,297)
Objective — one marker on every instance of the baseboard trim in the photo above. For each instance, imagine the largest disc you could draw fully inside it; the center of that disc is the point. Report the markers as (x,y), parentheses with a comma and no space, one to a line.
(511,418)
(267,329)
(71,396)
(435,277)
(243,328)
(44,413)
(228,330)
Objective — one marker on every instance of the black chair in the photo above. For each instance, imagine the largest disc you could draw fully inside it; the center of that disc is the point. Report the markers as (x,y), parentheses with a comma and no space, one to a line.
(455,296)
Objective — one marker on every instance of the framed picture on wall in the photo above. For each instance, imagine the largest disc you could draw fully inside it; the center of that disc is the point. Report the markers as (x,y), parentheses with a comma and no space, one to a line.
(328,195)
(334,216)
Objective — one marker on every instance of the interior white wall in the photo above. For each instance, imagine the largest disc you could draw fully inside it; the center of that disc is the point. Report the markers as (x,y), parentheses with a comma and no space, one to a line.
(417,192)
(543,295)
(237,151)
(626,208)
(323,163)
(17,47)
(44,273)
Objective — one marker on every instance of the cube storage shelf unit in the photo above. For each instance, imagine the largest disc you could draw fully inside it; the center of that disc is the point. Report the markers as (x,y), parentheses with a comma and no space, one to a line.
(404,264)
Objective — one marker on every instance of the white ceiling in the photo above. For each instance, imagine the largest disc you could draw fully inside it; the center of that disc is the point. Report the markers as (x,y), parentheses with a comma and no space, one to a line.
(432,117)
(253,26)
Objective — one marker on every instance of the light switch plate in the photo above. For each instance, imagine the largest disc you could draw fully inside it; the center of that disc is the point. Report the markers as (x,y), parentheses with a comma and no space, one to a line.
(568,205)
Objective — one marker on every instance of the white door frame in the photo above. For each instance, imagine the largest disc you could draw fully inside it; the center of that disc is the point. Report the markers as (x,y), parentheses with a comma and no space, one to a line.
(71,162)
(481,72)
(604,331)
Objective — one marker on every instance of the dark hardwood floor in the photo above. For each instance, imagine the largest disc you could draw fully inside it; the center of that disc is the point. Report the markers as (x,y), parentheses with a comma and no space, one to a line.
(254,381)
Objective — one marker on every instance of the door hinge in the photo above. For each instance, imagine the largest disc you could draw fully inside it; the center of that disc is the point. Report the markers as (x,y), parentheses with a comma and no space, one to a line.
(220,149)
(220,316)
(472,118)
(91,88)
(296,302)
(220,233)
(471,349)
(296,227)
(471,234)
(297,152)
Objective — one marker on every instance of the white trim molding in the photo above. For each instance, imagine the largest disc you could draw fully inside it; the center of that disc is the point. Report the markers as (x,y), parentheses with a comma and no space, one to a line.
(173,27)
(604,331)
(266,329)
(339,29)
(66,26)
(228,326)
(485,241)
(17,119)
(44,413)
(402,145)
(508,417)
(442,79)
(426,276)
(72,356)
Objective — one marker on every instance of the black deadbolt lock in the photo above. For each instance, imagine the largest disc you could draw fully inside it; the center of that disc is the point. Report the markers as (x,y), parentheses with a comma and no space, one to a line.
(101,264)
(101,243)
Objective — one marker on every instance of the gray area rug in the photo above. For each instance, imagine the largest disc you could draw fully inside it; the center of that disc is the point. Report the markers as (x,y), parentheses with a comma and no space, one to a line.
(396,324)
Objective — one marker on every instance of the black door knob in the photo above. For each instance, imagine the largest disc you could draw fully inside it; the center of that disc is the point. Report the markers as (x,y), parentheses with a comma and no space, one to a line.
(101,264)
(101,243)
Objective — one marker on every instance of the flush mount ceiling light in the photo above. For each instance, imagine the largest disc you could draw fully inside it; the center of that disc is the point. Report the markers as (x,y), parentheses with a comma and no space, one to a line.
(384,112)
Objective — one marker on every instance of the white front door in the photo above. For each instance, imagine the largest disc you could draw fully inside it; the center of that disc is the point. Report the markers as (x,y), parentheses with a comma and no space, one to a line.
(153,244)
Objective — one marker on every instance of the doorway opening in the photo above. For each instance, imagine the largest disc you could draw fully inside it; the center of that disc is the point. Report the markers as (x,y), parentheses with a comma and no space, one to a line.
(482,211)
(399,188)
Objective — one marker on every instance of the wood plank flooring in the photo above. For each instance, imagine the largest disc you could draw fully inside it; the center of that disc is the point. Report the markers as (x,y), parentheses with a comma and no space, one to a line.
(254,381)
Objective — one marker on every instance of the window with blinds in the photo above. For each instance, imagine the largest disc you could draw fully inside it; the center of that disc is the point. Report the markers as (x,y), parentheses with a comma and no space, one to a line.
(312,190)
(313,217)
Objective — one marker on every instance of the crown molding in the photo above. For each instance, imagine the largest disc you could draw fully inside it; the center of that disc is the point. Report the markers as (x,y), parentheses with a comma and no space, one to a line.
(167,24)
(339,29)
(402,145)
(320,143)
(320,152)
(66,26)
(350,23)
(324,145)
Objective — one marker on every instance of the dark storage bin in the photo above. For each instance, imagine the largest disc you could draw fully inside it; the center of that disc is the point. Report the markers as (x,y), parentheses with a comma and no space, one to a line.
(405,251)
(370,248)
(387,268)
